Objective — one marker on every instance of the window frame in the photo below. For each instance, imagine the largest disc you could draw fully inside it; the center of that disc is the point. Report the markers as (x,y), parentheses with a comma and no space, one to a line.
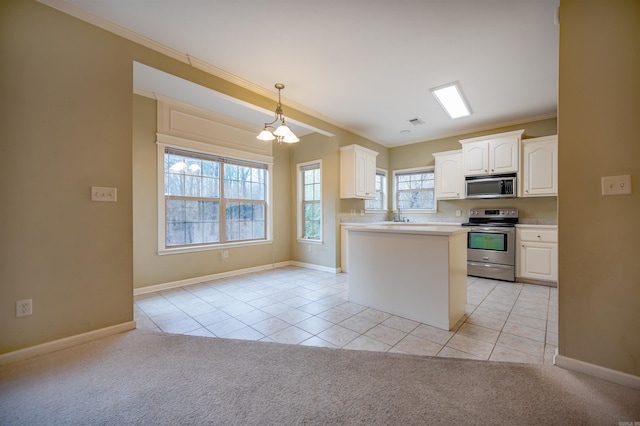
(384,191)
(233,157)
(300,203)
(415,170)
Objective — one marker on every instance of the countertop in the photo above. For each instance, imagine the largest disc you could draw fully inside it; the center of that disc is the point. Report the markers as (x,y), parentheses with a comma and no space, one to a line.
(400,228)
(536,226)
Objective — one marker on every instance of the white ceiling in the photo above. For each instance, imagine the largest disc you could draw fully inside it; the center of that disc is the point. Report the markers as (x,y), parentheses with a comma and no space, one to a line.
(366,65)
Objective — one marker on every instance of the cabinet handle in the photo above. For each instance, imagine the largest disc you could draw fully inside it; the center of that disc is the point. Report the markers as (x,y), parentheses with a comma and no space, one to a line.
(526,190)
(538,236)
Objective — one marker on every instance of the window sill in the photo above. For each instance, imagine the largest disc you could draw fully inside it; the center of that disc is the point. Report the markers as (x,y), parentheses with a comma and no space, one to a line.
(194,249)
(307,241)
(412,211)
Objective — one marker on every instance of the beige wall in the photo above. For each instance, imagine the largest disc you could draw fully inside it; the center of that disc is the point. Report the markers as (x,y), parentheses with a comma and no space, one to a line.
(66,125)
(599,237)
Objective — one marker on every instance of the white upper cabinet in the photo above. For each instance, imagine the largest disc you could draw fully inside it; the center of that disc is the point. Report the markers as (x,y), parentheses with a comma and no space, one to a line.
(540,167)
(449,178)
(493,154)
(357,172)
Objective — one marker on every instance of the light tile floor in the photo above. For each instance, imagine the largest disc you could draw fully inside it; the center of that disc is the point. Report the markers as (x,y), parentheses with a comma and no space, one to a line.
(503,322)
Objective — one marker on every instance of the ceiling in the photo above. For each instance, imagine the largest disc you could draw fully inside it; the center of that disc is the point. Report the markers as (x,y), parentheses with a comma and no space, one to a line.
(364,65)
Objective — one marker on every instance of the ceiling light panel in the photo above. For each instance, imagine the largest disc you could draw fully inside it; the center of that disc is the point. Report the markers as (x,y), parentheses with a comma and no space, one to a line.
(451,99)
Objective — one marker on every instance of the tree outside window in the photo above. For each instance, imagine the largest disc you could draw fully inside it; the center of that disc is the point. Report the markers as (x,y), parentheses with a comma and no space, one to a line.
(212,200)
(415,189)
(310,195)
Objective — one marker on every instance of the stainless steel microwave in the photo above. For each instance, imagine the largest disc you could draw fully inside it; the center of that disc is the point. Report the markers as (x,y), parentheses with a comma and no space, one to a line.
(492,186)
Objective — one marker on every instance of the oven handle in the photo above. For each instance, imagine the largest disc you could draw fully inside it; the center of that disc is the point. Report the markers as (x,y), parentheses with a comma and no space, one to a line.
(490,265)
(493,230)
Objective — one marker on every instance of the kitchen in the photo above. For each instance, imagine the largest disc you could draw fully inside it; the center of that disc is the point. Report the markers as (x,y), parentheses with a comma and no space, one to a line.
(495,248)
(155,272)
(325,256)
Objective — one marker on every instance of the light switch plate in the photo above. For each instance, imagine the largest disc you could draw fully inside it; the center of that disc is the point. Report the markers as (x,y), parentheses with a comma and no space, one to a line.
(101,193)
(616,185)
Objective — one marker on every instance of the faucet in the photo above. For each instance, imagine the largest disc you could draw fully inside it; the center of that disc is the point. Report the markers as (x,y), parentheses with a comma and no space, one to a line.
(398,217)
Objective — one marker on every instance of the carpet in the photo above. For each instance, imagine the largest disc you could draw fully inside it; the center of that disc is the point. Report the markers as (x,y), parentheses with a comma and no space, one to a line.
(143,377)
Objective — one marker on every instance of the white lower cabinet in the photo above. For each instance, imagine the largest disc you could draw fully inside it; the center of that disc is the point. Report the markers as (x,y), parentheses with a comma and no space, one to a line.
(537,252)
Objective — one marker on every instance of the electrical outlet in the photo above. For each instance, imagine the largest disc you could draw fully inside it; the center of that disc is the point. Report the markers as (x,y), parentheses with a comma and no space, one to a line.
(24,308)
(224,254)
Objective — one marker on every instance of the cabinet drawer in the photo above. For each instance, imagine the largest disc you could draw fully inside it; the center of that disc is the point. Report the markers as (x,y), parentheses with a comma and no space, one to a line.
(543,235)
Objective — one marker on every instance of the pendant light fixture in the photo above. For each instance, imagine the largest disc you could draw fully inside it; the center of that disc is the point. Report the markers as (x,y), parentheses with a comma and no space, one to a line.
(283,133)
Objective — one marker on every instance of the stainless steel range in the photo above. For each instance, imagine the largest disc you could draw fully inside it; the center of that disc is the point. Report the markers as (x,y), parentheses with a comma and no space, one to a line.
(491,251)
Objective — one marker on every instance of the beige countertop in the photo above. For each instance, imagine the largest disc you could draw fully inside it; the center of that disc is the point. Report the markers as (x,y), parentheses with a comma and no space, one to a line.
(402,228)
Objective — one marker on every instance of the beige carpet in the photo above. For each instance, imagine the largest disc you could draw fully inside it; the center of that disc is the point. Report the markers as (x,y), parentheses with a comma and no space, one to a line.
(146,378)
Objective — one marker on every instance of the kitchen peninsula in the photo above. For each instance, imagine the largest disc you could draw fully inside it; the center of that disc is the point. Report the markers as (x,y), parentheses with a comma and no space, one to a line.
(416,272)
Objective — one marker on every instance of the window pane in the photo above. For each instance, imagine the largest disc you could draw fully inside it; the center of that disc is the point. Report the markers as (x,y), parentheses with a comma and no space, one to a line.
(211,169)
(312,220)
(210,187)
(194,233)
(175,233)
(416,190)
(245,221)
(185,222)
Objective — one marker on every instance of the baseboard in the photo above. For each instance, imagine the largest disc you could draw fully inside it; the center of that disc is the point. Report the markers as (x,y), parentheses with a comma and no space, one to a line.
(604,373)
(316,267)
(536,282)
(65,343)
(201,279)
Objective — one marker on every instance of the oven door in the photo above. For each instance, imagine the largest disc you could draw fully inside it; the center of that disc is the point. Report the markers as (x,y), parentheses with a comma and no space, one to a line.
(491,245)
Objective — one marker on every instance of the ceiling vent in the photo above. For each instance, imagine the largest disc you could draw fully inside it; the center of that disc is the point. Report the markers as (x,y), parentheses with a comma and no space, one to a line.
(416,122)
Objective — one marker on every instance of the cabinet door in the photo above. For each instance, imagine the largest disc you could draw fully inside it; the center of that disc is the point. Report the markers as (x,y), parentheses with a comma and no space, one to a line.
(361,174)
(504,154)
(357,172)
(540,167)
(370,176)
(475,158)
(539,261)
(449,178)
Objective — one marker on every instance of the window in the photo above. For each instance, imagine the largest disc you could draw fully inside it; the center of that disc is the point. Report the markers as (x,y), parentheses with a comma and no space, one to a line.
(414,189)
(212,200)
(310,201)
(380,203)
